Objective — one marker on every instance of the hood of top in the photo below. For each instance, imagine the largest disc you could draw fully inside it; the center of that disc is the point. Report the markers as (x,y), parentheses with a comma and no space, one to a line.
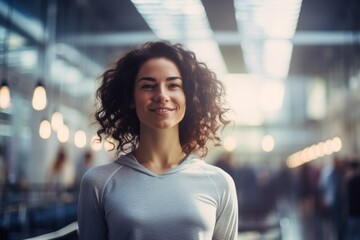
(129,160)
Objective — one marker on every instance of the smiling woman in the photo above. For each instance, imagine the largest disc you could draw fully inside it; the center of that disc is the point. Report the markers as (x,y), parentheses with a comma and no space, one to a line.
(205,111)
(161,106)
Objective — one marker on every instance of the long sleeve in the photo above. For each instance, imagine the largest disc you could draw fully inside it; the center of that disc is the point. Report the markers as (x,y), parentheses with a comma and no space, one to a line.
(226,226)
(91,220)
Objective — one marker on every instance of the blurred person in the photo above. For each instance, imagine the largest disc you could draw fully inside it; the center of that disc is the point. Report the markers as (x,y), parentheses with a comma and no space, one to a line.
(353,200)
(265,191)
(331,186)
(284,180)
(86,162)
(307,192)
(161,106)
(60,176)
(226,163)
(248,192)
(3,174)
(308,187)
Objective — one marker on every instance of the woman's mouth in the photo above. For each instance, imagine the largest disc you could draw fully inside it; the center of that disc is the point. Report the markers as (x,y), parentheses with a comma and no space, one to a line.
(161,110)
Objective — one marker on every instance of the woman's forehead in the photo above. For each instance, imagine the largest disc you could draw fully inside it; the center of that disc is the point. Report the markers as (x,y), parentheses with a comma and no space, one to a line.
(156,66)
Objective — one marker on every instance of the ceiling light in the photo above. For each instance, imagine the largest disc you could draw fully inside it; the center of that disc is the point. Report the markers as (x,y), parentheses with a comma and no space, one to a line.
(39,97)
(268,143)
(230,143)
(96,144)
(277,56)
(80,139)
(45,129)
(56,121)
(4,89)
(63,134)
(109,144)
(4,95)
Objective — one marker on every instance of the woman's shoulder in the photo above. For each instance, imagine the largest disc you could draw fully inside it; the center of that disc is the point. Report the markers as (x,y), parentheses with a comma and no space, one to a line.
(215,173)
(101,173)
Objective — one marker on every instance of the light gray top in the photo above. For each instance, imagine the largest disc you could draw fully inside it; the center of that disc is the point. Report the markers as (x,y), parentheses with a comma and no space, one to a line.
(125,200)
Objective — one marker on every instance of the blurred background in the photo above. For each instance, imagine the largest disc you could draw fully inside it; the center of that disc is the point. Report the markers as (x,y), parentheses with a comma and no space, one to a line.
(291,69)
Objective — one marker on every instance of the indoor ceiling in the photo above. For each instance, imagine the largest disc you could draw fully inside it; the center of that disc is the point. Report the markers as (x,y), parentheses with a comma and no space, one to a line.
(332,18)
(325,29)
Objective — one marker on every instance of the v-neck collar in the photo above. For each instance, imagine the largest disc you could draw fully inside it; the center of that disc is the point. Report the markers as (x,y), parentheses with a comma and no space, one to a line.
(131,161)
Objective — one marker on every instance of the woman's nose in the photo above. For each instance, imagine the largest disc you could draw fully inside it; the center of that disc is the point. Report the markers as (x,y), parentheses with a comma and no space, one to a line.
(161,95)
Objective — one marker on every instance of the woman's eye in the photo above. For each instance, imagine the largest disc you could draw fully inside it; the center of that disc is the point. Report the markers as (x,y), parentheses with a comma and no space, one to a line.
(147,86)
(174,85)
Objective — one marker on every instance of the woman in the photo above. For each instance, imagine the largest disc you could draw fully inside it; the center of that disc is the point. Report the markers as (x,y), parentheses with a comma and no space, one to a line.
(161,106)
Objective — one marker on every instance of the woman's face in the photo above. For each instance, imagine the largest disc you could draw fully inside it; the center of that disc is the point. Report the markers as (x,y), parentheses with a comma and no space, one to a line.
(159,98)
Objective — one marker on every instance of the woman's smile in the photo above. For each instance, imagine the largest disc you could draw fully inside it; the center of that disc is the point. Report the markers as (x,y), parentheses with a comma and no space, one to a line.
(161,109)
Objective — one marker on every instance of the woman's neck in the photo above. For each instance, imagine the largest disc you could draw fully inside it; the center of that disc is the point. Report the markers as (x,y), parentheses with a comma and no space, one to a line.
(159,150)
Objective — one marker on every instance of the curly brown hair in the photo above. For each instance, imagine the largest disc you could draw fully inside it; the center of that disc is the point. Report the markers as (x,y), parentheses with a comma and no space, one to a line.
(205,109)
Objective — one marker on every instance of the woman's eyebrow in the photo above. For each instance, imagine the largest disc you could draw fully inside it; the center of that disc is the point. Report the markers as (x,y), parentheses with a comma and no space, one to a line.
(147,79)
(154,80)
(173,78)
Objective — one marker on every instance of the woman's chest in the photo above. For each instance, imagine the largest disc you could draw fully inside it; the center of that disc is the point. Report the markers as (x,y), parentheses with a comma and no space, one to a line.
(155,204)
